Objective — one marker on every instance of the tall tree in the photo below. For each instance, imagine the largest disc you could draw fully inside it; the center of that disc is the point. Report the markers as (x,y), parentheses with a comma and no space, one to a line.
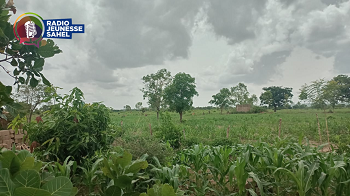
(240,95)
(127,108)
(276,96)
(138,105)
(154,88)
(179,94)
(343,82)
(332,93)
(314,94)
(222,99)
(32,97)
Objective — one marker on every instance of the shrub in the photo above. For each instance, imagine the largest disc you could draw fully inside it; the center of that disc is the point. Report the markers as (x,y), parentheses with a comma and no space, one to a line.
(139,146)
(72,128)
(167,131)
(257,109)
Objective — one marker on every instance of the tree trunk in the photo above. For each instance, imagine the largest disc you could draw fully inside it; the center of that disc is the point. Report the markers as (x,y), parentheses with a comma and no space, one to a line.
(274,109)
(180,116)
(157,115)
(221,110)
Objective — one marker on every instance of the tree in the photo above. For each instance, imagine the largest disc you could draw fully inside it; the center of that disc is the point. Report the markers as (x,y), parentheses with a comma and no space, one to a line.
(240,95)
(343,82)
(276,96)
(222,99)
(314,94)
(179,94)
(127,108)
(332,93)
(154,88)
(32,97)
(138,105)
(24,62)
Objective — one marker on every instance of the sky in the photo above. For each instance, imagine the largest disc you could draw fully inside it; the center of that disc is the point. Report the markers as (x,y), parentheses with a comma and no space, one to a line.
(221,43)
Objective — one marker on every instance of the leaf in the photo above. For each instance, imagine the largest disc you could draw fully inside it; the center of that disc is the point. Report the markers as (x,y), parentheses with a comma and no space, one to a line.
(113,191)
(27,178)
(39,63)
(137,166)
(125,159)
(22,155)
(21,80)
(14,62)
(123,181)
(74,191)
(60,186)
(29,191)
(45,81)
(16,72)
(6,158)
(33,82)
(168,190)
(15,165)
(6,184)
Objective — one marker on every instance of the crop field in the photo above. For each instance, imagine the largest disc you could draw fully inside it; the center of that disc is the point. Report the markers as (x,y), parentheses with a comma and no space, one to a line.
(201,127)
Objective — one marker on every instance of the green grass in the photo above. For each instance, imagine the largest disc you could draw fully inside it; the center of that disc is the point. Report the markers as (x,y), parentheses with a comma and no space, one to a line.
(245,128)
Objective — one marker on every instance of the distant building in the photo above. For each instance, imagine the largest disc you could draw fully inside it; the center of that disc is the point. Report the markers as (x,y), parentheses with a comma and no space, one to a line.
(243,108)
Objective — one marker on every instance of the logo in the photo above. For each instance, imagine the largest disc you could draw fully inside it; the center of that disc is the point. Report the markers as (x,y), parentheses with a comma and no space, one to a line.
(30,28)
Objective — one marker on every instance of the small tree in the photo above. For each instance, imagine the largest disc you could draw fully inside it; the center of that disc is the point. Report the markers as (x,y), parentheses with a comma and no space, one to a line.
(32,97)
(138,105)
(127,108)
(154,88)
(179,94)
(314,94)
(276,96)
(343,82)
(222,99)
(240,95)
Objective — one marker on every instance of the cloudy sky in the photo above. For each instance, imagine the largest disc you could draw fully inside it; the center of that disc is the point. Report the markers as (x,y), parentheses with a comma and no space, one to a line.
(221,43)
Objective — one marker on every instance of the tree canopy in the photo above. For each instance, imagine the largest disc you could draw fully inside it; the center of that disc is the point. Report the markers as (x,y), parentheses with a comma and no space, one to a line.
(154,88)
(179,94)
(222,99)
(276,96)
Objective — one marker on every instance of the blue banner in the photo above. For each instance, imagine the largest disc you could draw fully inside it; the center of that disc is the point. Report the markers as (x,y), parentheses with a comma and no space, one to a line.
(61,28)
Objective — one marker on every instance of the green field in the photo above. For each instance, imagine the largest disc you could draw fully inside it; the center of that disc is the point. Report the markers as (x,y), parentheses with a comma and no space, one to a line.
(201,127)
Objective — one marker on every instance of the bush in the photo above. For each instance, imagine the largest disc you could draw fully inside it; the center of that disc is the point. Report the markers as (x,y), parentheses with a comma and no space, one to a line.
(72,128)
(257,109)
(168,132)
(138,146)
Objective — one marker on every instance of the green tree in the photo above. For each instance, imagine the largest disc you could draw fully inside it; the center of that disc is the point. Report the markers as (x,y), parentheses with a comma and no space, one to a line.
(154,88)
(240,95)
(222,99)
(33,97)
(127,108)
(24,63)
(179,94)
(276,96)
(343,82)
(138,105)
(314,94)
(332,93)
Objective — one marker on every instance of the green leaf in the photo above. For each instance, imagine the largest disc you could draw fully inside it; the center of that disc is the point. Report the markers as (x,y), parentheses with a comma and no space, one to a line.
(33,82)
(22,155)
(14,62)
(6,159)
(60,186)
(21,80)
(28,163)
(39,63)
(168,190)
(137,166)
(16,46)
(21,65)
(125,159)
(113,191)
(6,184)
(74,191)
(27,178)
(16,72)
(29,191)
(15,165)
(123,181)
(45,81)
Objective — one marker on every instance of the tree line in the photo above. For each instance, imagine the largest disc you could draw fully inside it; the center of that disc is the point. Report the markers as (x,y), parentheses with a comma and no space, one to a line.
(176,93)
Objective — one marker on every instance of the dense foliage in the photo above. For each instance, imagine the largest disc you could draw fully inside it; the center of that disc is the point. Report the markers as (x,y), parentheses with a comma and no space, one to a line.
(72,128)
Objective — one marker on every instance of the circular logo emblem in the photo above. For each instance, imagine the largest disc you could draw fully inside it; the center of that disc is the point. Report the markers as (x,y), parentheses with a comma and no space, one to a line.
(29,29)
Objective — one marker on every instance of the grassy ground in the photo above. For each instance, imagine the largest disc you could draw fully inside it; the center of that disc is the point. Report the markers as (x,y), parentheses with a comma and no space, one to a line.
(202,127)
